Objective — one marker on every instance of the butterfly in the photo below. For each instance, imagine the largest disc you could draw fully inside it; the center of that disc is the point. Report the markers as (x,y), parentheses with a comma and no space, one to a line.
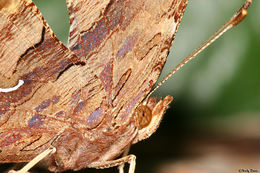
(88,101)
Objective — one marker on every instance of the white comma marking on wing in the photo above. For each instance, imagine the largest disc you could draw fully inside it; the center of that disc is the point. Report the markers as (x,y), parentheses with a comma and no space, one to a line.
(6,90)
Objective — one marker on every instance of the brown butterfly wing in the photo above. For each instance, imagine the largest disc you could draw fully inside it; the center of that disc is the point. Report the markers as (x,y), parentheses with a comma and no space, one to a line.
(124,48)
(32,115)
(126,44)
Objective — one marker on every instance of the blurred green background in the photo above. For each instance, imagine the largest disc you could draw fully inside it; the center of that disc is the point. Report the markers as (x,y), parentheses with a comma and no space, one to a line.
(216,95)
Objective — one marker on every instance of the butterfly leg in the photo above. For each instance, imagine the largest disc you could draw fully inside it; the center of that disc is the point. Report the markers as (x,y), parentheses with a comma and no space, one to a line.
(121,167)
(108,164)
(36,160)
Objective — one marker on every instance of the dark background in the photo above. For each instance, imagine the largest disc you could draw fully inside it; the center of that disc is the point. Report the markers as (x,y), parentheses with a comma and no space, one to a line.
(213,123)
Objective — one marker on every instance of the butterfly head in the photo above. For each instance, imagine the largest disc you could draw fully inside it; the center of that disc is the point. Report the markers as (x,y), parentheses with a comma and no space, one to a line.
(149,115)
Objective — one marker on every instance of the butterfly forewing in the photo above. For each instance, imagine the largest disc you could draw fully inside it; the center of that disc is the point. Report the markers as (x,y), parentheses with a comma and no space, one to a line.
(125,43)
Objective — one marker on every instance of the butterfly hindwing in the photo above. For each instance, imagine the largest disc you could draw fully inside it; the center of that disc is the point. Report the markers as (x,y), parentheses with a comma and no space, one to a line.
(32,115)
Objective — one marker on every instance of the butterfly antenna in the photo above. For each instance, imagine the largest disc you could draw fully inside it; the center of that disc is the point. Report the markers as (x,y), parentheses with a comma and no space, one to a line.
(236,19)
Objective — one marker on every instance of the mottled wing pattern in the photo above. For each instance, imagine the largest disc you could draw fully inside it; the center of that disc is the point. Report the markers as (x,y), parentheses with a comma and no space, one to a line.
(126,43)
(34,114)
(116,52)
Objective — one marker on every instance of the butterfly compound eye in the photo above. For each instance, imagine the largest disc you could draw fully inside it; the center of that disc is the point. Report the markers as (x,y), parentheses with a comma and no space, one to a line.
(144,116)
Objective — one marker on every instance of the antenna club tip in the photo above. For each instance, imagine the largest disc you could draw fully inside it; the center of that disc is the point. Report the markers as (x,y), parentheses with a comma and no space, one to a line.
(242,13)
(239,17)
(247,4)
